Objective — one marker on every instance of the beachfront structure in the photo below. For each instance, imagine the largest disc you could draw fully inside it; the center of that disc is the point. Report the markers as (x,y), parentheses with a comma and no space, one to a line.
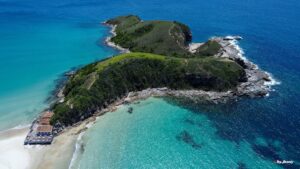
(41,131)
(38,140)
(47,115)
(44,121)
(45,118)
(44,130)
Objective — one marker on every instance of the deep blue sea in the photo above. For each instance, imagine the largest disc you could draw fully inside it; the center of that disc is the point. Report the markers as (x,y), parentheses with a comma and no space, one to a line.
(40,40)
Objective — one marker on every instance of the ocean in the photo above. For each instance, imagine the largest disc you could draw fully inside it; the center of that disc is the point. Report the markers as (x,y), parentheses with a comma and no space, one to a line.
(159,133)
(40,40)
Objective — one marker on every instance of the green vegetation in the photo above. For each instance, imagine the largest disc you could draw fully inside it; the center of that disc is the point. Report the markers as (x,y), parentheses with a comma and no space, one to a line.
(159,37)
(209,48)
(160,59)
(130,21)
(115,77)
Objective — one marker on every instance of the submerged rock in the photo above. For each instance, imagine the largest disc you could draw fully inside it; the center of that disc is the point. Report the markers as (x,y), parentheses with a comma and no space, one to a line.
(130,109)
(187,138)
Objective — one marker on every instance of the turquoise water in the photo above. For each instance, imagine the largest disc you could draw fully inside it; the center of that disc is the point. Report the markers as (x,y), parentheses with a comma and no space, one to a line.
(33,57)
(159,134)
(40,40)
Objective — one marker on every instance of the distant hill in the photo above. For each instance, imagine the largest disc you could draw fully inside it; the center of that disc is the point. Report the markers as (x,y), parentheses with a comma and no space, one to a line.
(169,38)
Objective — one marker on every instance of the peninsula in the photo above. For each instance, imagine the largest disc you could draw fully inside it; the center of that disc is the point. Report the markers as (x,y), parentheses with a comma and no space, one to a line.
(159,60)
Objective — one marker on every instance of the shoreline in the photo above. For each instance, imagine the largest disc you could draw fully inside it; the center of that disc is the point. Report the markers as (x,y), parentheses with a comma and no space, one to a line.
(35,156)
(193,95)
(12,148)
(69,140)
(113,33)
(259,82)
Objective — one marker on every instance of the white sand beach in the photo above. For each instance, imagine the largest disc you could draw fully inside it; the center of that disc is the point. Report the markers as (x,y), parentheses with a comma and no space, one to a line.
(14,155)
(58,155)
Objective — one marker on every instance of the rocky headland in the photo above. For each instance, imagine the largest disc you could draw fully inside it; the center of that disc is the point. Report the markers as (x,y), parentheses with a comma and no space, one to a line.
(170,65)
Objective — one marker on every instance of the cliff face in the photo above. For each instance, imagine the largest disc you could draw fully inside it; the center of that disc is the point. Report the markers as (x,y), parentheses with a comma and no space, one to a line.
(99,84)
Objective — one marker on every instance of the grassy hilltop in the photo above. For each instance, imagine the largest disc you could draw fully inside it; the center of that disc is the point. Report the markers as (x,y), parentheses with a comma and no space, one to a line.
(167,63)
(159,37)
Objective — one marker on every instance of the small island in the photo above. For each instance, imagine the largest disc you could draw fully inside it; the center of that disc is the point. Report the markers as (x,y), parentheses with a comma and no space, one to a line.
(159,60)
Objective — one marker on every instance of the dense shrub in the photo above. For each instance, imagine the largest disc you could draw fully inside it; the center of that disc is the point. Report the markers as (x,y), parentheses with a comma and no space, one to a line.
(117,76)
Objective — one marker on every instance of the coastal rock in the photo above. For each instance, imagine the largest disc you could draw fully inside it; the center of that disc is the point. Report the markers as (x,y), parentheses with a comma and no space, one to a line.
(258,81)
(216,72)
(108,41)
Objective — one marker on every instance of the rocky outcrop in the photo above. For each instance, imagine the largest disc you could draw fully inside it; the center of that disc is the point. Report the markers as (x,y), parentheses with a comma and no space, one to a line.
(258,82)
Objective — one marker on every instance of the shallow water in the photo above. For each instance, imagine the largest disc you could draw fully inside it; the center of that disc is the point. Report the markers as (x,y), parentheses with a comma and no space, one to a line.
(160,134)
(34,55)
